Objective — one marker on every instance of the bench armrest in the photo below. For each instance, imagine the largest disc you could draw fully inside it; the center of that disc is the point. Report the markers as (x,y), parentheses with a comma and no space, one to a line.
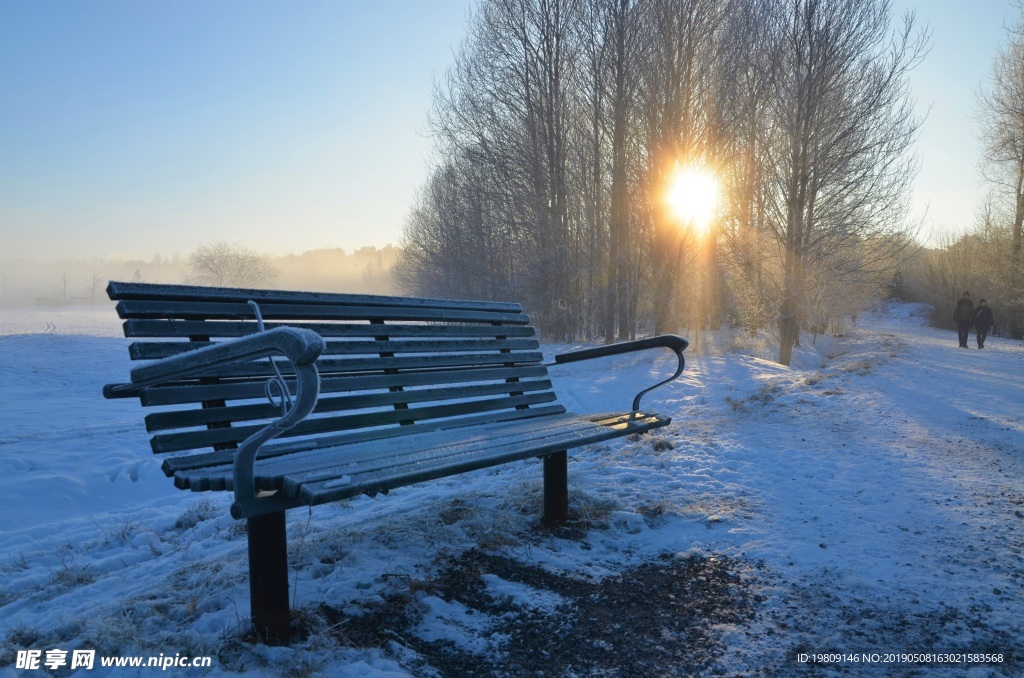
(300,346)
(676,343)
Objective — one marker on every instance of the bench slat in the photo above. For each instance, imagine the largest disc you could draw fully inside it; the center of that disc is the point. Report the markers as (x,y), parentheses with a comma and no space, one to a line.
(176,442)
(282,311)
(343,366)
(233,329)
(154,350)
(160,421)
(184,466)
(157,292)
(246,380)
(248,390)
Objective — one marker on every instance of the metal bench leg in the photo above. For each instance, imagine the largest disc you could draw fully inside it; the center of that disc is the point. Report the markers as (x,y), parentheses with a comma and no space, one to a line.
(556,487)
(268,576)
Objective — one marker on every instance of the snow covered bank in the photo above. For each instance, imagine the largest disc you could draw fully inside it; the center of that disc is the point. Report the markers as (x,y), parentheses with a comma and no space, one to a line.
(870,498)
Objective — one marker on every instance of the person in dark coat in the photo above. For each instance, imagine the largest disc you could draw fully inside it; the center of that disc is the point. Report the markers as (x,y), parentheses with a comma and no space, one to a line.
(983,322)
(963,314)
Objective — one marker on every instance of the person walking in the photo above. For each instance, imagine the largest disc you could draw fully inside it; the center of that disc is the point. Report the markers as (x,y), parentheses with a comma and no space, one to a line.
(963,314)
(983,322)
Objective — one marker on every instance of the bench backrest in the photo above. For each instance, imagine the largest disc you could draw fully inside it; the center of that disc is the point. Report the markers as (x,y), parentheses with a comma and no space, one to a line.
(389,362)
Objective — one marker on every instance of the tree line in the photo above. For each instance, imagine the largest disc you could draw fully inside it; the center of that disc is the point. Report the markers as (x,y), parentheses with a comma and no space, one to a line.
(562,123)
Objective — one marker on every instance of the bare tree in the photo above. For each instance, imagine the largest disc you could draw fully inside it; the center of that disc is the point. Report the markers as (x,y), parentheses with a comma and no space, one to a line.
(746,250)
(224,264)
(449,248)
(65,280)
(837,146)
(1001,111)
(612,37)
(94,283)
(561,121)
(1002,127)
(502,117)
(677,72)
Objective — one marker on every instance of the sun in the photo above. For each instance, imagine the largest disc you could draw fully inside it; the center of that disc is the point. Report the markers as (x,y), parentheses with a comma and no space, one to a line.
(692,197)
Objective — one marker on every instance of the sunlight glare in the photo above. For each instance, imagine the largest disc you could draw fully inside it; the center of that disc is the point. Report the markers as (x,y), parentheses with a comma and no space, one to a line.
(692,196)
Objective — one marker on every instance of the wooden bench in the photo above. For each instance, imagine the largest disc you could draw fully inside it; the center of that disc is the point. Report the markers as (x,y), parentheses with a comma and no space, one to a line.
(363,393)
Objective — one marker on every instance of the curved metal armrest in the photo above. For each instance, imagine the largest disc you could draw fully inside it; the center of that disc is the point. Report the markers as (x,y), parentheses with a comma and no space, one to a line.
(670,341)
(300,346)
(307,390)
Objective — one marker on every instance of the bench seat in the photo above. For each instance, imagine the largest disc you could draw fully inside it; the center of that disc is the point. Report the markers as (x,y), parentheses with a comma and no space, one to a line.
(335,470)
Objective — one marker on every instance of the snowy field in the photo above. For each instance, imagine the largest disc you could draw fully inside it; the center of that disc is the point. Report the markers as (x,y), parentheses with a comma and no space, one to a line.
(868,500)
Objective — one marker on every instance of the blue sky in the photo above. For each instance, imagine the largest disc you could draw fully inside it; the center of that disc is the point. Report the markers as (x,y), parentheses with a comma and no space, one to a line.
(966,35)
(138,127)
(130,128)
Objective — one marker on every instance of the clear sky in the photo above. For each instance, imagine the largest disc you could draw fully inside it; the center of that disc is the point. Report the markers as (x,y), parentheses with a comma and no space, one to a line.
(966,35)
(141,127)
(130,128)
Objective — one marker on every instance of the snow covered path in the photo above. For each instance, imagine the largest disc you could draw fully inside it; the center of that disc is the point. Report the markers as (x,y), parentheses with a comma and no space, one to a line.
(871,497)
(890,491)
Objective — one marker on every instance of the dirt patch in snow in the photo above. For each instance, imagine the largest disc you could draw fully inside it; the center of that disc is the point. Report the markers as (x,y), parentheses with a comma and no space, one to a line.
(673,615)
(663,617)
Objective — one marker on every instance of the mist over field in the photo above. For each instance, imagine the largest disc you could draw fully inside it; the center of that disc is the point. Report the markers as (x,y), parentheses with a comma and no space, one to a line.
(68,282)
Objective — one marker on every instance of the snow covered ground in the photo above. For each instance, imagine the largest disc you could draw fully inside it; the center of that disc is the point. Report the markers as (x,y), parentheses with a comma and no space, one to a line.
(869,501)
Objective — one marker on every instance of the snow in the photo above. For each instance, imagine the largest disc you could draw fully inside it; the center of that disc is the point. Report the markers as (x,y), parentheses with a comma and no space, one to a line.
(872,493)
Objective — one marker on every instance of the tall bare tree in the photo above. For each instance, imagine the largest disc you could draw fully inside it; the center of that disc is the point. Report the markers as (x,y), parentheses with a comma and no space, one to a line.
(677,75)
(222,263)
(609,34)
(65,280)
(506,108)
(1002,126)
(94,283)
(837,148)
(1001,109)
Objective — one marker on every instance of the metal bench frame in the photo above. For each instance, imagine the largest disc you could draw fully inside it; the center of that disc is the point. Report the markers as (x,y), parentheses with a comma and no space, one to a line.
(236,363)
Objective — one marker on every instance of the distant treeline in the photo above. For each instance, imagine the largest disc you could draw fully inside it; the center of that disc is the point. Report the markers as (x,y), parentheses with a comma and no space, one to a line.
(983,261)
